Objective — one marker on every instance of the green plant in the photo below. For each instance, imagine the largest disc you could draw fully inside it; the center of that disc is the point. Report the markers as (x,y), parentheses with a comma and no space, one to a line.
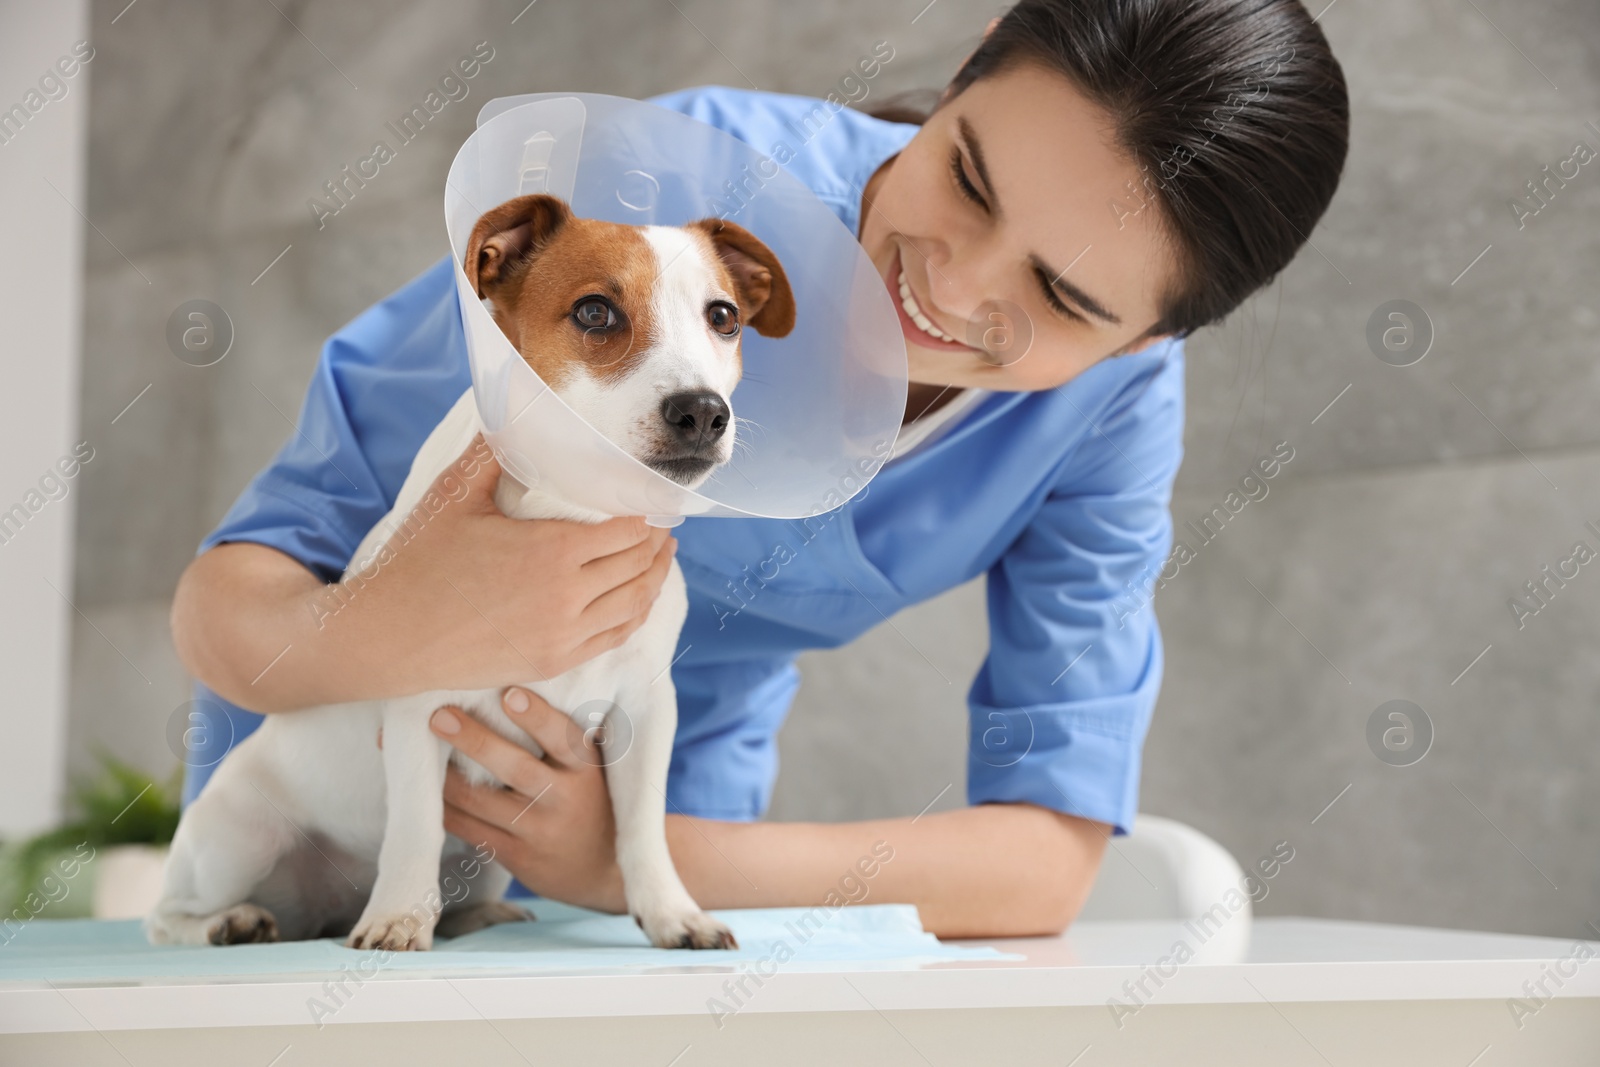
(122,805)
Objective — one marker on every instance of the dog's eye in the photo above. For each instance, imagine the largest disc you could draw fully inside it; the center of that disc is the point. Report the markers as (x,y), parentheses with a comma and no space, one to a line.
(723,317)
(592,313)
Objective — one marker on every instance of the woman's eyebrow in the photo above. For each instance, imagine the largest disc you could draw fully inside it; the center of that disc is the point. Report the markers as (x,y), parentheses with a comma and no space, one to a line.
(1054,277)
(1073,293)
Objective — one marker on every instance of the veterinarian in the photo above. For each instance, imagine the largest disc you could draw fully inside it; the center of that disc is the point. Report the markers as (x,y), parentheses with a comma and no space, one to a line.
(1108,176)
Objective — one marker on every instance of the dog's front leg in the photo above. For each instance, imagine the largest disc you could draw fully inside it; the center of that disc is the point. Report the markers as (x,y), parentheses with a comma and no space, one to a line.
(405,901)
(637,780)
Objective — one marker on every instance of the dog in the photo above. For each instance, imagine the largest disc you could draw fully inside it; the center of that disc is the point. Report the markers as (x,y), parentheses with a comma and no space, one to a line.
(309,829)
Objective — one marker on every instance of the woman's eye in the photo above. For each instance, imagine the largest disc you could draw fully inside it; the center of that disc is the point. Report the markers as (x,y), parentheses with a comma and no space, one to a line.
(594,314)
(724,318)
(1055,302)
(964,184)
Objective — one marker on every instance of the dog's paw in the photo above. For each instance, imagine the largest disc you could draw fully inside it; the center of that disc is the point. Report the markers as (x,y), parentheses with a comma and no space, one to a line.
(403,932)
(481,916)
(242,924)
(692,929)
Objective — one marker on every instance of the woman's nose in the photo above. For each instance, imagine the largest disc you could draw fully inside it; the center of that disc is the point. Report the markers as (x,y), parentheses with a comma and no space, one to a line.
(957,283)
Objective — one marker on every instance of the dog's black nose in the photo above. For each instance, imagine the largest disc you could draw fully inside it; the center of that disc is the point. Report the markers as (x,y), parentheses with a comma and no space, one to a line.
(697,420)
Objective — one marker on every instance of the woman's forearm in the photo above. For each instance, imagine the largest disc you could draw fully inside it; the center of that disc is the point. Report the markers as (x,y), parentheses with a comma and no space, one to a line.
(459,597)
(994,870)
(245,622)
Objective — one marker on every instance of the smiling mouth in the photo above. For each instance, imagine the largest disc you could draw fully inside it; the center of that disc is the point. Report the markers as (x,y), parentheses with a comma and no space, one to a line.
(914,312)
(919,329)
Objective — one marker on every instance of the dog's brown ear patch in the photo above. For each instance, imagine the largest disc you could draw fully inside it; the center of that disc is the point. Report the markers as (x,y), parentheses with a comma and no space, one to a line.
(508,234)
(765,298)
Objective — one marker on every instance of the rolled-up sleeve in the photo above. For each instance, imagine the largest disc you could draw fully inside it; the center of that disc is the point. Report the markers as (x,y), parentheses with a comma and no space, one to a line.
(1060,707)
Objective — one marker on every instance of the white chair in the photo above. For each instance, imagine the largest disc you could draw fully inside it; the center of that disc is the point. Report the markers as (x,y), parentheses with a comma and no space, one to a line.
(1166,871)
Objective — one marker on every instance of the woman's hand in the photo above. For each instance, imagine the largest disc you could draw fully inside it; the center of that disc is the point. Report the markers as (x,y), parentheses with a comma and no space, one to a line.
(552,828)
(478,600)
(464,598)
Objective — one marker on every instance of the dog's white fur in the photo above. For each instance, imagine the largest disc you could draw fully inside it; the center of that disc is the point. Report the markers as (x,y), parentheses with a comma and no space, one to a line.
(308,812)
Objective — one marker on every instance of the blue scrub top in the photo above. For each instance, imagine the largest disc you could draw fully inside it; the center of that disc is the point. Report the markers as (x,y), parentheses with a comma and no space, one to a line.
(1059,496)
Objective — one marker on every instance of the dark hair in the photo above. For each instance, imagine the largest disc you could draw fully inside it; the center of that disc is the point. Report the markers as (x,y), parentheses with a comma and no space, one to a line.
(1234,111)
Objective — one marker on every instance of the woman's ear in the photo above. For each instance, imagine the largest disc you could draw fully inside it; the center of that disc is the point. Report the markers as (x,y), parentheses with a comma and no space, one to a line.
(1139,344)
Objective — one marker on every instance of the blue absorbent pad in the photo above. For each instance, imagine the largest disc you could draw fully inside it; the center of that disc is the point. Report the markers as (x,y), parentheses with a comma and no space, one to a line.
(563,940)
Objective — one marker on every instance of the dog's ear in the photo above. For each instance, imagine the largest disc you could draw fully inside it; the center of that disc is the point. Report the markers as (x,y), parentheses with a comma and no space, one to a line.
(765,299)
(507,234)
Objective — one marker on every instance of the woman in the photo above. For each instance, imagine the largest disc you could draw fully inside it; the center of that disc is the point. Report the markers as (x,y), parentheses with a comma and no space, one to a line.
(1101,178)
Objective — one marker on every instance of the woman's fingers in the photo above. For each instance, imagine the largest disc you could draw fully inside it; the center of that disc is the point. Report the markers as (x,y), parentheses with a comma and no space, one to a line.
(609,571)
(606,640)
(505,808)
(612,536)
(478,833)
(632,599)
(507,761)
(550,729)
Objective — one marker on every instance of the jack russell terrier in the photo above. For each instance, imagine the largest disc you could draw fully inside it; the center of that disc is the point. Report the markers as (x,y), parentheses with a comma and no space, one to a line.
(309,829)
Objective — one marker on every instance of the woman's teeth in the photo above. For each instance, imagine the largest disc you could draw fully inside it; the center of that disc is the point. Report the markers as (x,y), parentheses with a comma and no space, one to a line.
(914,313)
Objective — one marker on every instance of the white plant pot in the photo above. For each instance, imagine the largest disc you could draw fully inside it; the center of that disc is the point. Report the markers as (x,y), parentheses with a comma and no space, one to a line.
(127,880)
